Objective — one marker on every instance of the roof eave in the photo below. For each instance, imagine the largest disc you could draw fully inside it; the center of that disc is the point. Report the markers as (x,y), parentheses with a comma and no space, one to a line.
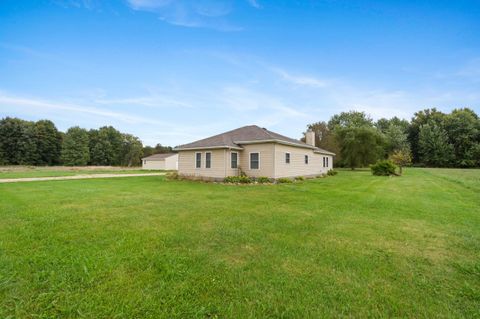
(275,141)
(207,148)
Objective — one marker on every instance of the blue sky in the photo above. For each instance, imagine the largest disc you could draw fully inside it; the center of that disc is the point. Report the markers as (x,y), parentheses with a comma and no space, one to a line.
(172,71)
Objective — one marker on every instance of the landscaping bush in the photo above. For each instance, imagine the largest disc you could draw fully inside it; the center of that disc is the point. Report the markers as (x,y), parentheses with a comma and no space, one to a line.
(238,180)
(299,178)
(284,180)
(332,172)
(171,176)
(383,168)
(263,180)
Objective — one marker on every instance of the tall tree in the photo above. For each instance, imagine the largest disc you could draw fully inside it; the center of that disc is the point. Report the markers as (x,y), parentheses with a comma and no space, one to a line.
(48,142)
(17,142)
(75,151)
(106,146)
(421,118)
(396,139)
(433,146)
(360,146)
(350,119)
(132,150)
(463,129)
(160,149)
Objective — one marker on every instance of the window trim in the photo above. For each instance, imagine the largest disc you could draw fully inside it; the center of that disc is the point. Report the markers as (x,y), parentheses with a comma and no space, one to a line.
(196,160)
(208,161)
(289,158)
(250,160)
(236,161)
(306,159)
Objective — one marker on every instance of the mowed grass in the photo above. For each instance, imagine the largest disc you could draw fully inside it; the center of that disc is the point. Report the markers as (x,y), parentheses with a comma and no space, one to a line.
(8,172)
(352,245)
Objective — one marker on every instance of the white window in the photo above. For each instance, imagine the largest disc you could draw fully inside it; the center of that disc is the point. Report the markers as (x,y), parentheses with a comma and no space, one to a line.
(287,158)
(306,159)
(145,162)
(326,161)
(208,160)
(254,160)
(198,160)
(234,160)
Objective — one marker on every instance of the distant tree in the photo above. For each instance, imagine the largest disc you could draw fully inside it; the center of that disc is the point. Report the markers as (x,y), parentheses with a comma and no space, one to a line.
(148,150)
(350,119)
(132,150)
(360,146)
(463,129)
(384,124)
(434,147)
(75,151)
(396,139)
(48,142)
(17,142)
(421,118)
(106,146)
(160,149)
(401,158)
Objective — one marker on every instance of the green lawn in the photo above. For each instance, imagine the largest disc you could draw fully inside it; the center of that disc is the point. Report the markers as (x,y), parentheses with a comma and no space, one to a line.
(352,245)
(52,171)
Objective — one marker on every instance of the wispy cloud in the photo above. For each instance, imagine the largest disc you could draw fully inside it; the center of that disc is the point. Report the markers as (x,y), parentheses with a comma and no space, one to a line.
(150,101)
(189,13)
(9,101)
(300,79)
(254,3)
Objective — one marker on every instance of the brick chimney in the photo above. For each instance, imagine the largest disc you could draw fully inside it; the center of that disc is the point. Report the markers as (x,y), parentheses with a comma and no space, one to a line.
(310,137)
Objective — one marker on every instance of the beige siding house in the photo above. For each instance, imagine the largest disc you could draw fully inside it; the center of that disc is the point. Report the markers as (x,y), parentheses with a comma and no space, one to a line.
(161,161)
(256,152)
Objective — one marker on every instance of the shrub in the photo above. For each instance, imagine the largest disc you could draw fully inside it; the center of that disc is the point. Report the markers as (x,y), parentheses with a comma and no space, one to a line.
(263,180)
(299,178)
(238,180)
(172,176)
(284,180)
(383,168)
(332,172)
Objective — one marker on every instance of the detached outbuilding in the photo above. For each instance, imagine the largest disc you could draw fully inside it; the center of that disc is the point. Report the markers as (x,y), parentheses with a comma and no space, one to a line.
(167,161)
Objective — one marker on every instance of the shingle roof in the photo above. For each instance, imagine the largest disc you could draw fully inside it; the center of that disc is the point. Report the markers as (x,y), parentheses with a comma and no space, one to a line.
(158,157)
(245,135)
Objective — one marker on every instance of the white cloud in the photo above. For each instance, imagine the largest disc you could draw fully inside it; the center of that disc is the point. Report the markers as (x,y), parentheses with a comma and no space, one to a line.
(300,79)
(189,13)
(254,3)
(9,101)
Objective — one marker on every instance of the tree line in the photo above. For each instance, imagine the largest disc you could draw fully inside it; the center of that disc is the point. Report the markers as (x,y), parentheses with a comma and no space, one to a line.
(41,143)
(432,138)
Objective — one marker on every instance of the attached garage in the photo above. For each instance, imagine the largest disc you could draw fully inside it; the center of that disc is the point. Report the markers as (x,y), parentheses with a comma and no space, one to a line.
(161,161)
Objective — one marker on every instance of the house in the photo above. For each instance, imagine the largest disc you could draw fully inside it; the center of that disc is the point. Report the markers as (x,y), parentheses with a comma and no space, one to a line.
(161,161)
(255,151)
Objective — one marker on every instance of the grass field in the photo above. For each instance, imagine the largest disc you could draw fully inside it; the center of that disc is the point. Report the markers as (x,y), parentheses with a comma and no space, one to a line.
(7,172)
(351,245)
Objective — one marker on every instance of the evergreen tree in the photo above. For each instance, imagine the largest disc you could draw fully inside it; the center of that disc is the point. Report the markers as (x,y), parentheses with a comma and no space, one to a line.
(421,118)
(75,151)
(434,148)
(463,129)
